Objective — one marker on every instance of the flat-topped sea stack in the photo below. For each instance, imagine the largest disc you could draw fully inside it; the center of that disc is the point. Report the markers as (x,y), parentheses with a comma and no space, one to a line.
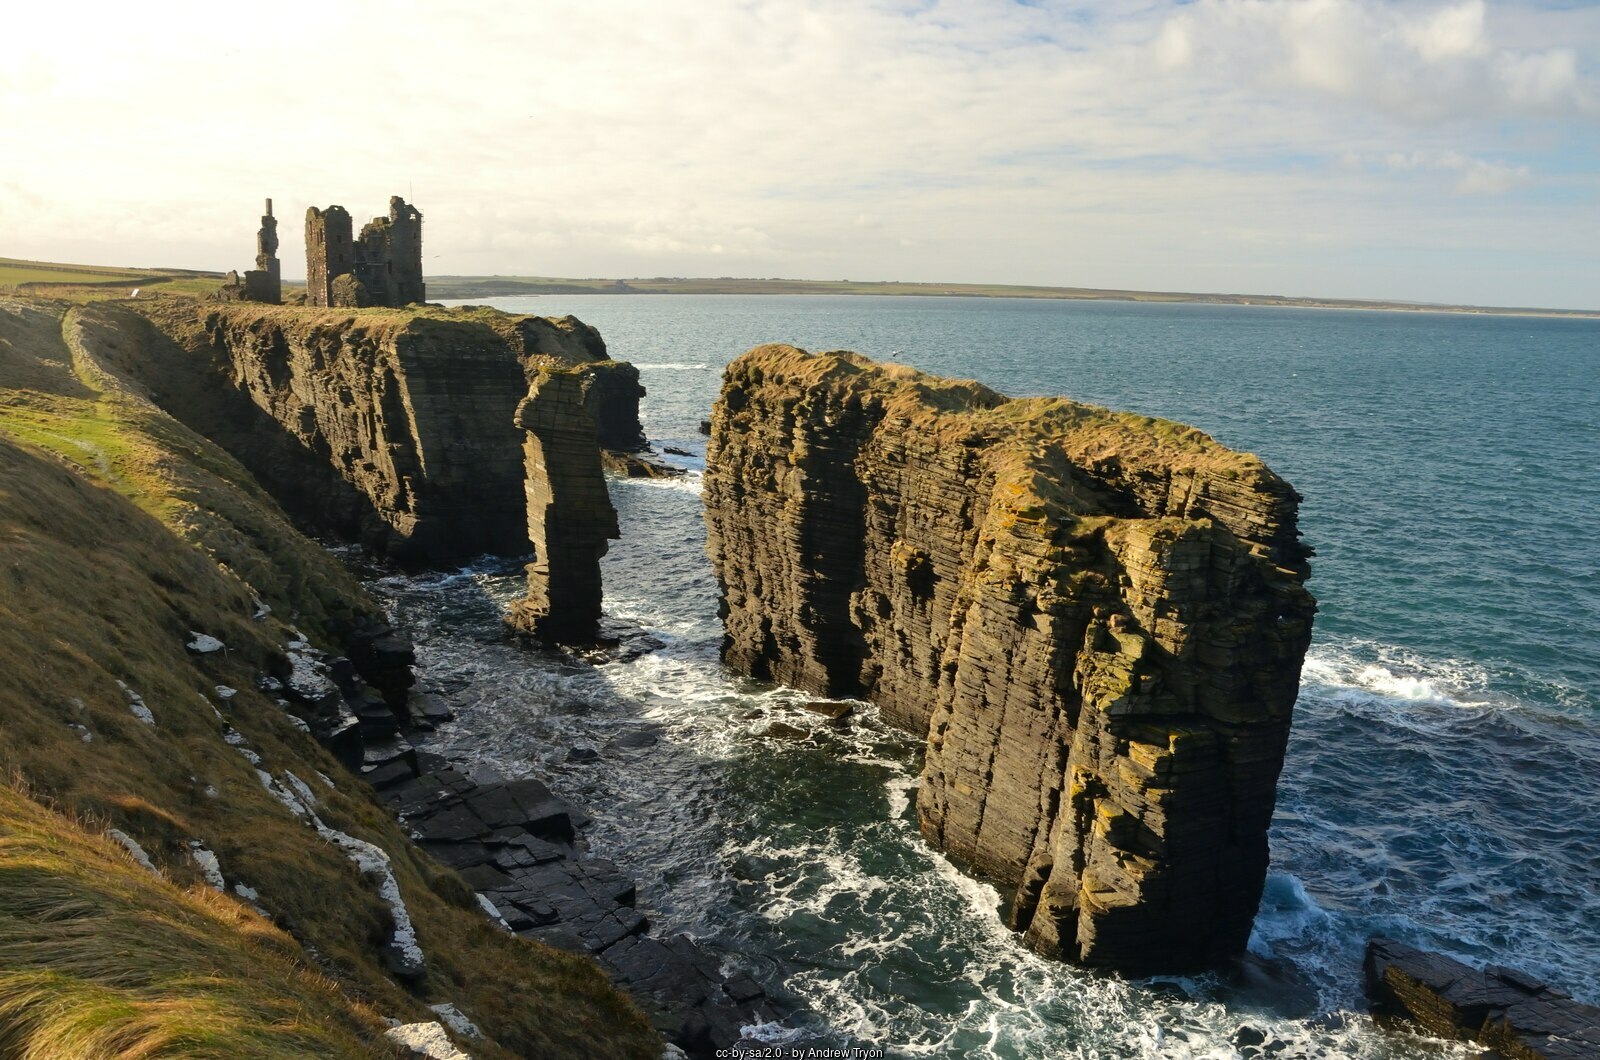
(1097,618)
(570,517)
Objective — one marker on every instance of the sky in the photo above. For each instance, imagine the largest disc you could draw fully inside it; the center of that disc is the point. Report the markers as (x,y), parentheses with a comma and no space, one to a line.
(1428,151)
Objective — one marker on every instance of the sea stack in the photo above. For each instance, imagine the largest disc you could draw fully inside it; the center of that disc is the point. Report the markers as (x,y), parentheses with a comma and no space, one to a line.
(570,518)
(1096,618)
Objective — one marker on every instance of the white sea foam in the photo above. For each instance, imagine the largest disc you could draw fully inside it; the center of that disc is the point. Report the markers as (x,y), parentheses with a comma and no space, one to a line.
(1287,912)
(1364,671)
(884,940)
(691,481)
(672,366)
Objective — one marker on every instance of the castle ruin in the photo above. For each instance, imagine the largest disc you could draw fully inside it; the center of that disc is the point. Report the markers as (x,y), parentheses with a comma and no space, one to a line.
(264,283)
(381,268)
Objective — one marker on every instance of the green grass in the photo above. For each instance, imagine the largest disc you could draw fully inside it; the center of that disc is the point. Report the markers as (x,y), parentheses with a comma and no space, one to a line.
(99,957)
(94,283)
(123,530)
(15,270)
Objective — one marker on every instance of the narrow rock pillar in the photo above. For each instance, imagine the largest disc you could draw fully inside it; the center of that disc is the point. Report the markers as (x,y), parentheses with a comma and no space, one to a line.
(570,517)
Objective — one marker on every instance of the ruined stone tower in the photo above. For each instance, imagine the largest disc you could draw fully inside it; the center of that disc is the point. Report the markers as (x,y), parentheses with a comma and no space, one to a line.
(382,268)
(389,255)
(264,283)
(330,258)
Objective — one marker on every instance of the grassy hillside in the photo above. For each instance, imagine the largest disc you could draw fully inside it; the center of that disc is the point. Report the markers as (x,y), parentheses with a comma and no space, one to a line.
(14,271)
(95,283)
(100,957)
(123,532)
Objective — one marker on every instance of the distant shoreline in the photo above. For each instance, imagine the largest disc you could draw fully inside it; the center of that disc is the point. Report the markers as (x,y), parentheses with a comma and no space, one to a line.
(93,281)
(465,287)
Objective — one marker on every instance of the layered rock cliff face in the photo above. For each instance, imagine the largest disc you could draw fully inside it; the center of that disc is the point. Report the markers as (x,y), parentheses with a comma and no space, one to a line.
(570,517)
(1097,618)
(1516,1015)
(391,427)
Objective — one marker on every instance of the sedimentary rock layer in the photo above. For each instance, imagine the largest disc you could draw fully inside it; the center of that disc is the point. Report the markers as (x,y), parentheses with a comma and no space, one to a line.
(1515,1014)
(570,517)
(1097,618)
(391,427)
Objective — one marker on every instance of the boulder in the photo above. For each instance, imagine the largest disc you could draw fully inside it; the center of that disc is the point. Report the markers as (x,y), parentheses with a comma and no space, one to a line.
(1515,1014)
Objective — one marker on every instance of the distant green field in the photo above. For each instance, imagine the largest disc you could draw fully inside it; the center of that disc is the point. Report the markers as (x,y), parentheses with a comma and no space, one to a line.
(14,271)
(81,283)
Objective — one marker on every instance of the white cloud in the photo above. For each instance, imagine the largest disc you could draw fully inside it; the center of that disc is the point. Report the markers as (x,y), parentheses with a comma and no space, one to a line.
(1474,176)
(1128,144)
(1422,62)
(1452,32)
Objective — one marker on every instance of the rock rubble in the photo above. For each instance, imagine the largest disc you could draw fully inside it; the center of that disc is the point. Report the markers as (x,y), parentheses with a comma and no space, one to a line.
(521,849)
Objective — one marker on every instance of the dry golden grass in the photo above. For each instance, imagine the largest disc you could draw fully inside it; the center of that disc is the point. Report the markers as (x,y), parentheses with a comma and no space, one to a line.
(122,530)
(100,958)
(964,408)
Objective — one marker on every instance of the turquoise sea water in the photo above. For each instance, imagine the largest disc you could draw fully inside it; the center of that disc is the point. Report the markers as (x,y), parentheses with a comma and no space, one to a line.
(1442,783)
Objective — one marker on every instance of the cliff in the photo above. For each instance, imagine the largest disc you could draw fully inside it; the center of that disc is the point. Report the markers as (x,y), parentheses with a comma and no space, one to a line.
(389,427)
(184,869)
(1097,619)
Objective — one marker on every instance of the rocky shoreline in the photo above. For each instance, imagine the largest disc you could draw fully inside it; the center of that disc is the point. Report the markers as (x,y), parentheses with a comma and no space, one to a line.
(1513,1013)
(520,848)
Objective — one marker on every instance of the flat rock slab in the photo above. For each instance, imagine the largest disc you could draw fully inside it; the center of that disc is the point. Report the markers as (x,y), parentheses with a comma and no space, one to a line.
(1499,1007)
(695,1005)
(501,838)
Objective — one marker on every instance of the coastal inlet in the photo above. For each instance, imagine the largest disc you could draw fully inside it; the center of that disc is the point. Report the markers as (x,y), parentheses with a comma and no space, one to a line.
(1426,796)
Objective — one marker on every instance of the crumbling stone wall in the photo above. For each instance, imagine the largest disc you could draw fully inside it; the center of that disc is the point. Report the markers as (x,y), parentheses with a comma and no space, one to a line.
(329,255)
(264,283)
(383,267)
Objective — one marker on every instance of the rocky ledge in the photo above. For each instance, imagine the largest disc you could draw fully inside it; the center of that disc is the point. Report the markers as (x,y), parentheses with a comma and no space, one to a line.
(521,848)
(1097,618)
(1514,1014)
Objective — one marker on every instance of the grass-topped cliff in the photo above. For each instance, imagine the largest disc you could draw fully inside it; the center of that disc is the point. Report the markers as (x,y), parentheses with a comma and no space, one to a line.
(392,427)
(1096,618)
(125,533)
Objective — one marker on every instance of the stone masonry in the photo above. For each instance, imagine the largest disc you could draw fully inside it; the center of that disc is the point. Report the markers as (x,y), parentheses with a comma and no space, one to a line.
(264,283)
(381,268)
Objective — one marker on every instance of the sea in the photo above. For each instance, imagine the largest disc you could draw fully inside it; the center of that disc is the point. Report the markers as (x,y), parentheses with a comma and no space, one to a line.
(1442,784)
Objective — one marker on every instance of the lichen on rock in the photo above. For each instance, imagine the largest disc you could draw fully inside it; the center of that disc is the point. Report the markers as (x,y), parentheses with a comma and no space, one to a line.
(1096,618)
